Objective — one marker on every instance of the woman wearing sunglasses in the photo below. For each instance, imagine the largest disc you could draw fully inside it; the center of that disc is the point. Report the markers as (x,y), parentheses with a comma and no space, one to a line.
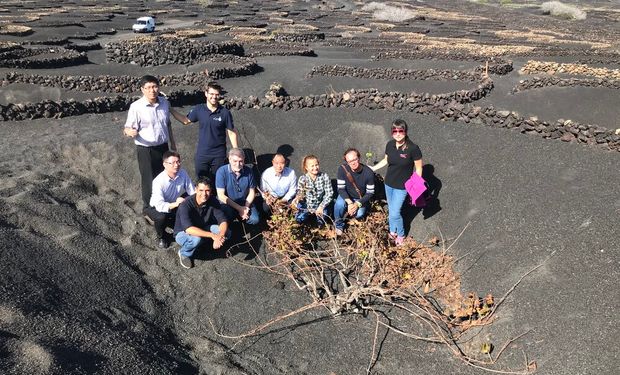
(402,158)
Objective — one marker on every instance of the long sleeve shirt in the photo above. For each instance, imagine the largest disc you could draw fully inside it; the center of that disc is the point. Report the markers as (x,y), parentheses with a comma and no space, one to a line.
(283,186)
(166,190)
(364,179)
(317,193)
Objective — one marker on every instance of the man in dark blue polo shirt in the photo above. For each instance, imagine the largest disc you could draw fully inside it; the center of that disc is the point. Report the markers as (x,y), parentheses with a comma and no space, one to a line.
(214,123)
(199,217)
(236,188)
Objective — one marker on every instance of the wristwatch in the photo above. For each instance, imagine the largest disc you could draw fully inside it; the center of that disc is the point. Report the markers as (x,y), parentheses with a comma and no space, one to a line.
(359,204)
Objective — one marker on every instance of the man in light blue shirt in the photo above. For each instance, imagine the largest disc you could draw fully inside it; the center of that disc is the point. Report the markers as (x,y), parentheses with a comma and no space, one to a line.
(278,182)
(168,191)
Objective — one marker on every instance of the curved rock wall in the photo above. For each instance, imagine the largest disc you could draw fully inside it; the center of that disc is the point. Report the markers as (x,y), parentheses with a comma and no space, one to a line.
(454,106)
(40,58)
(393,74)
(540,82)
(129,84)
(159,51)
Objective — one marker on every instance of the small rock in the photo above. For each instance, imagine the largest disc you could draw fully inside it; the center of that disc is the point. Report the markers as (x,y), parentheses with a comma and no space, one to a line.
(567,137)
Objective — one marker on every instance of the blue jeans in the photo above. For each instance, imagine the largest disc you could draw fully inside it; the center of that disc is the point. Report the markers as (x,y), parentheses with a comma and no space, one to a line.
(232,214)
(303,214)
(340,208)
(395,200)
(190,243)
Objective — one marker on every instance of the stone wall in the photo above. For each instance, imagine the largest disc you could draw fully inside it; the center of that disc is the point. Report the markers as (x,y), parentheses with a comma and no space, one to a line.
(40,58)
(129,84)
(540,82)
(167,50)
(454,106)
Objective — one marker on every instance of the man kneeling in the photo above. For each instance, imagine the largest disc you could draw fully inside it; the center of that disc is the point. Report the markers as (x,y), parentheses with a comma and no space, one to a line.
(199,217)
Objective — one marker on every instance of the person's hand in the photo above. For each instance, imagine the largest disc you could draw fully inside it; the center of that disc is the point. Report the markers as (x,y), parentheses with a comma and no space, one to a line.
(129,132)
(244,213)
(218,241)
(319,211)
(270,199)
(352,208)
(176,203)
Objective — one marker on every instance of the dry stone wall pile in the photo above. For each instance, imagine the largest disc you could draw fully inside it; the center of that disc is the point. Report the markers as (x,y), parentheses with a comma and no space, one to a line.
(540,82)
(129,84)
(160,51)
(454,106)
(266,48)
(298,37)
(547,67)
(393,74)
(39,58)
(496,65)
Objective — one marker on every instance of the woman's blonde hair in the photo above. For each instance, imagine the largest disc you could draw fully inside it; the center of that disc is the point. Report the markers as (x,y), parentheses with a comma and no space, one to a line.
(306,159)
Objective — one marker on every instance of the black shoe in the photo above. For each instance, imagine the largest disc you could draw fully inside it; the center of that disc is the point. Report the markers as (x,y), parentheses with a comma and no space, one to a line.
(185,261)
(162,244)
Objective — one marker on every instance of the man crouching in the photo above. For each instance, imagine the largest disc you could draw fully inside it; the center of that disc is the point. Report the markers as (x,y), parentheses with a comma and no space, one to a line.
(199,217)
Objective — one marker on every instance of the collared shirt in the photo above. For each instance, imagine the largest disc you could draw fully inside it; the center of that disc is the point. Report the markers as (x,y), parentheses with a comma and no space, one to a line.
(212,128)
(400,163)
(282,186)
(190,214)
(364,179)
(237,188)
(316,193)
(166,190)
(150,120)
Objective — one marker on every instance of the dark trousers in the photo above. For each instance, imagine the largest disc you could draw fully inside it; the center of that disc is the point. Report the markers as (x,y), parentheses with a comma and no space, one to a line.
(207,166)
(161,220)
(150,164)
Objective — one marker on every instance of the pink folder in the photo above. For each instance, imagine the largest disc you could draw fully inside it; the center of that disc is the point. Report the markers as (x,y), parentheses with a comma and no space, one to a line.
(415,188)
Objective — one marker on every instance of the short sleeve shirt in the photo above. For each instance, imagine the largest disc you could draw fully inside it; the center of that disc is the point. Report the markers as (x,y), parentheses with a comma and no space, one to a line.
(190,214)
(400,163)
(212,128)
(237,188)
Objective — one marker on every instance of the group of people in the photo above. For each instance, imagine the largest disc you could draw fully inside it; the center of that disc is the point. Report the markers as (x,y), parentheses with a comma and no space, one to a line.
(196,212)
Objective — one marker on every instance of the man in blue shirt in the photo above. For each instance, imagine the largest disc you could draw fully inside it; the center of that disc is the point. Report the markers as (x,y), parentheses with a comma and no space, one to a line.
(236,188)
(199,217)
(215,122)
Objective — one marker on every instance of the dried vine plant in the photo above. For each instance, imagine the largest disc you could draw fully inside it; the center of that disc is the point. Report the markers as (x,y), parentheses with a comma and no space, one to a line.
(363,271)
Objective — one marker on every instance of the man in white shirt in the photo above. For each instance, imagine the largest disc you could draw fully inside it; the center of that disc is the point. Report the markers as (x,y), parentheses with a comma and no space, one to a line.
(278,182)
(148,123)
(169,189)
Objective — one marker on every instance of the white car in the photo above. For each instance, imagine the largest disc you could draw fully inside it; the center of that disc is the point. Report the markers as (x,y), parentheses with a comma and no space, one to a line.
(144,25)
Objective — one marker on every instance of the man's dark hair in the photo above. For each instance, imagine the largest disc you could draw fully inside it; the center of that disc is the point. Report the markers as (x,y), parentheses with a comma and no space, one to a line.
(351,149)
(205,181)
(148,79)
(215,86)
(170,153)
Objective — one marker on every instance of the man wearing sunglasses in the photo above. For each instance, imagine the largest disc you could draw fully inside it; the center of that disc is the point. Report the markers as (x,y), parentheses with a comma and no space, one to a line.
(169,189)
(236,188)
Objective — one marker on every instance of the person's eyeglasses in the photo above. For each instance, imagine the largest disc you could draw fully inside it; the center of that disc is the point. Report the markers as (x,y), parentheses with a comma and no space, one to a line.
(398,131)
(353,161)
(173,162)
